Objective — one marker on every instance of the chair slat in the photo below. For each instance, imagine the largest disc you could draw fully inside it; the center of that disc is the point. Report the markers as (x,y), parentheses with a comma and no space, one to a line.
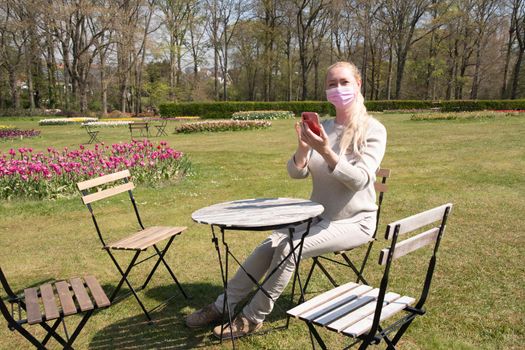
(140,239)
(64,294)
(359,314)
(90,198)
(81,294)
(335,303)
(97,292)
(320,299)
(32,306)
(160,234)
(48,299)
(380,187)
(103,179)
(383,173)
(146,238)
(414,222)
(347,308)
(392,308)
(409,245)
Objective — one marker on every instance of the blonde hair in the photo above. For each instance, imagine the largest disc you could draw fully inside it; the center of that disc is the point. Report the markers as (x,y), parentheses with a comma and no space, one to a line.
(354,135)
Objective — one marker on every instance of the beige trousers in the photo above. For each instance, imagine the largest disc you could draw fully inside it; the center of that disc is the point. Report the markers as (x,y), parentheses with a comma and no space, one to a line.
(324,237)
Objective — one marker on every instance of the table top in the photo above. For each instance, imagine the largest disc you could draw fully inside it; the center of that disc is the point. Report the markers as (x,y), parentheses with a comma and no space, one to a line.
(258,213)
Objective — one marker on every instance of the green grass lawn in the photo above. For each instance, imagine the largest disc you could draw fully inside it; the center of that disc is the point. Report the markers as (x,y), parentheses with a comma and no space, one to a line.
(477,297)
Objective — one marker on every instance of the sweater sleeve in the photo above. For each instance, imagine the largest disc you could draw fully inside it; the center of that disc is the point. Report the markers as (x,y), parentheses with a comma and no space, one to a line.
(294,171)
(357,173)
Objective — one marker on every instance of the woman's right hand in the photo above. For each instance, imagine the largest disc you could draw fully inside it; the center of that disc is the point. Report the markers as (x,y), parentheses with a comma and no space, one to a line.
(302,145)
(301,155)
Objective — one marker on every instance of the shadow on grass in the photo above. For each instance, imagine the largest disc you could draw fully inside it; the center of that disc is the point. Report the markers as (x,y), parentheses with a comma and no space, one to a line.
(168,329)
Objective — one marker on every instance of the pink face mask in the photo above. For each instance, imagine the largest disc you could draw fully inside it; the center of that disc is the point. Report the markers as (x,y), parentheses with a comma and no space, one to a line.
(341,96)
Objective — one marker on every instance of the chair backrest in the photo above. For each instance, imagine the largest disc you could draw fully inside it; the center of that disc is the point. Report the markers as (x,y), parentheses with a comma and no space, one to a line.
(85,186)
(381,187)
(104,187)
(433,222)
(10,296)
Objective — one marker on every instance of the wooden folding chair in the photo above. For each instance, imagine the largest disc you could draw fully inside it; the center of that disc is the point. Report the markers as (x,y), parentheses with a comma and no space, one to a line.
(358,310)
(161,128)
(58,300)
(113,184)
(381,188)
(93,134)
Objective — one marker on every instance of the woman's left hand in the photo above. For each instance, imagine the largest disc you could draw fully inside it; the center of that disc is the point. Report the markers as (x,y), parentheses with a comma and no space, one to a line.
(319,143)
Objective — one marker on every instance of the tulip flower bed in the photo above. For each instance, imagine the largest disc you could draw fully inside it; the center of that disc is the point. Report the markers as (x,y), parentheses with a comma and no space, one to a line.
(251,115)
(477,115)
(223,125)
(66,121)
(13,133)
(54,173)
(109,124)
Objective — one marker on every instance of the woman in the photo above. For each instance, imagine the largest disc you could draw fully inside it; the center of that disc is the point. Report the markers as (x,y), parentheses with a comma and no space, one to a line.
(342,161)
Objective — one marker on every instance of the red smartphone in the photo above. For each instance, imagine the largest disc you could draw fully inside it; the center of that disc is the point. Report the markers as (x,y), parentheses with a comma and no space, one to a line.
(312,120)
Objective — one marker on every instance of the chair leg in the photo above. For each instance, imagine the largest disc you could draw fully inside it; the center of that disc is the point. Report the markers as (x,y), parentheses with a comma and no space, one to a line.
(317,337)
(327,274)
(400,333)
(312,268)
(81,325)
(125,279)
(51,332)
(28,336)
(161,259)
(352,266)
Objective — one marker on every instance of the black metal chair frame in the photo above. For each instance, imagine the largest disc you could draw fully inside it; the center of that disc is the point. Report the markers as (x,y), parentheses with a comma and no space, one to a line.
(92,134)
(124,272)
(384,174)
(376,334)
(15,322)
(161,128)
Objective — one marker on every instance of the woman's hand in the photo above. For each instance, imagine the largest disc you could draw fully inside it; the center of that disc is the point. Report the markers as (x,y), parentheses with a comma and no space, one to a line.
(301,155)
(301,144)
(320,144)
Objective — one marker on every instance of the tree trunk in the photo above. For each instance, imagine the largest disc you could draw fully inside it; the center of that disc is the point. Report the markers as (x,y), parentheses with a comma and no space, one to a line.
(389,73)
(401,61)
(15,97)
(225,68)
(516,75)
(172,68)
(216,72)
(507,64)
(30,90)
(475,78)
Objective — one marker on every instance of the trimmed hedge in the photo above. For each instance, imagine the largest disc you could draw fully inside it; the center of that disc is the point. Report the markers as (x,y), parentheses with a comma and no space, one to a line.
(226,109)
(222,110)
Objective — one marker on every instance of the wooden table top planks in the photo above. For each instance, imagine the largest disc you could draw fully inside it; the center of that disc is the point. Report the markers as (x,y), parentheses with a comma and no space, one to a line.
(258,213)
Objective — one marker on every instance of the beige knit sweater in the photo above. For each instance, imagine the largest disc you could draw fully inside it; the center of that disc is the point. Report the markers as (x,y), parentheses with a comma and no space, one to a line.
(348,191)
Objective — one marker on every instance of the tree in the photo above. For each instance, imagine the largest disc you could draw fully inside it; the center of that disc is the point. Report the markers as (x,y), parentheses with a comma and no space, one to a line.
(518,14)
(13,40)
(403,17)
(307,12)
(176,19)
(483,13)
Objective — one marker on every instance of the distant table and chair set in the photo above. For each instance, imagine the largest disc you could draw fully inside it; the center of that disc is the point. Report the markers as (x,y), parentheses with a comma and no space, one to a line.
(142,128)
